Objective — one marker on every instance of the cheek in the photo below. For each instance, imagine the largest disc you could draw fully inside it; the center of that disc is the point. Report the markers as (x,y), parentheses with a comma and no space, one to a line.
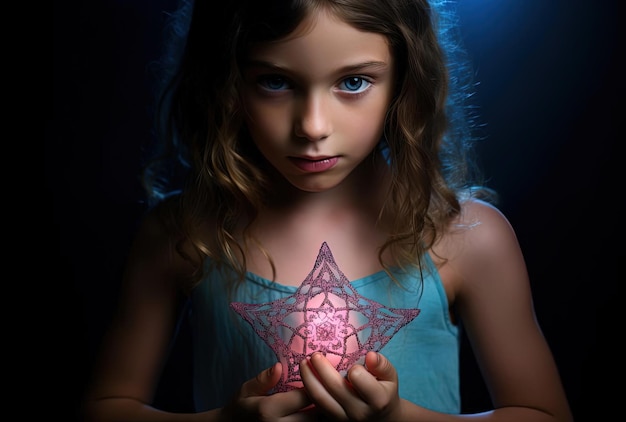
(367,128)
(266,122)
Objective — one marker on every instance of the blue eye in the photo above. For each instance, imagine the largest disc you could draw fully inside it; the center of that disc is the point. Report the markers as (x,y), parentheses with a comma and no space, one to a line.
(273,83)
(354,84)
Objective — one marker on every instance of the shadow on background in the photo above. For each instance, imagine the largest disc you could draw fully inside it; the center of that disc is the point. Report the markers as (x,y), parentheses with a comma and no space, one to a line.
(549,85)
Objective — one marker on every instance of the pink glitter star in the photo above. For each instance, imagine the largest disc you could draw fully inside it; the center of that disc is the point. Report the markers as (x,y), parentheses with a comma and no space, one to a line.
(326,314)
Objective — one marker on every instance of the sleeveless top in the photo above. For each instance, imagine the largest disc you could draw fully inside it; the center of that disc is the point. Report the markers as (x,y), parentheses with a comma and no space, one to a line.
(425,352)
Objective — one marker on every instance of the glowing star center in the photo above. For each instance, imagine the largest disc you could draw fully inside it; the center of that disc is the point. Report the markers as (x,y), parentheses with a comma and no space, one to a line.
(326,314)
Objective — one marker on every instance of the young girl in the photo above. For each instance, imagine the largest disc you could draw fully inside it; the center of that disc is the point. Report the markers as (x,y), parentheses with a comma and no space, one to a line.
(328,232)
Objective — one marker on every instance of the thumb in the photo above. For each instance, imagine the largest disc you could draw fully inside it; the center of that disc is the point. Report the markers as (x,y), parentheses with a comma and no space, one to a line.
(380,367)
(263,382)
(379,384)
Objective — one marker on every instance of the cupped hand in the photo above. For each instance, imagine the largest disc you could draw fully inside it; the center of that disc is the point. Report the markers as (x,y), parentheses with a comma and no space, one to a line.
(366,393)
(252,403)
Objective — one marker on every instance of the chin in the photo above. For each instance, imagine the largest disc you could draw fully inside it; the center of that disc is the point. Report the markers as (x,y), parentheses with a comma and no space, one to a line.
(314,187)
(311,189)
(315,183)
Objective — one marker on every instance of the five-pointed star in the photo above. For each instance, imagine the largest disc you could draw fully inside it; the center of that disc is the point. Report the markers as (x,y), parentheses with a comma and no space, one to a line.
(326,314)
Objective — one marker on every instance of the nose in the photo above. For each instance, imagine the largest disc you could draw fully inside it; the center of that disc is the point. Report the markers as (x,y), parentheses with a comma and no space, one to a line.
(313,120)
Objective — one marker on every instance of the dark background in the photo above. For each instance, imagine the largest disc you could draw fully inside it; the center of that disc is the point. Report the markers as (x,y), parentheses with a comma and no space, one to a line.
(550,80)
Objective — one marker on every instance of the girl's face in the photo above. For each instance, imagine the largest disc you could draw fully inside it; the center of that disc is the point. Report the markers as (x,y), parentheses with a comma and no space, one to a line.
(316,100)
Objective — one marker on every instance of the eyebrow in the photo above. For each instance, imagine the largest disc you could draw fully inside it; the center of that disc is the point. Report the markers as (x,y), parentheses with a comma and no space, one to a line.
(352,68)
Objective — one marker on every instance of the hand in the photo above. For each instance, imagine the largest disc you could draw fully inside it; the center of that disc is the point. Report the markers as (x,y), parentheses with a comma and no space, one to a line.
(367,393)
(252,403)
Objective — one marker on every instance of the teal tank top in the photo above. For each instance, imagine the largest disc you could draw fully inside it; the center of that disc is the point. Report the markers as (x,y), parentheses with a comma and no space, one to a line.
(425,352)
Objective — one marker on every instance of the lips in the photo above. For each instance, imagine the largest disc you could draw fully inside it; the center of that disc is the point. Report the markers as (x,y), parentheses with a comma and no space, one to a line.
(314,165)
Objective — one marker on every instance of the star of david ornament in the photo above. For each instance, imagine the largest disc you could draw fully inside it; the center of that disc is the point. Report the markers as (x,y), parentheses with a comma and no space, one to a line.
(326,314)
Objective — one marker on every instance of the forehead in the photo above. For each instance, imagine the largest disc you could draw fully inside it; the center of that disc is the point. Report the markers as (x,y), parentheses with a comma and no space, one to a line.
(321,43)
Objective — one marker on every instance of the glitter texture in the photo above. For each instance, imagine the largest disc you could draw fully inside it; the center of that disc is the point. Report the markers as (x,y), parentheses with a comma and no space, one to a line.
(327,315)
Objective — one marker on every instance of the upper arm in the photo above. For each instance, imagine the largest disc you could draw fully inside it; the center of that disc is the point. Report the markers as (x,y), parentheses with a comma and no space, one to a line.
(495,304)
(134,348)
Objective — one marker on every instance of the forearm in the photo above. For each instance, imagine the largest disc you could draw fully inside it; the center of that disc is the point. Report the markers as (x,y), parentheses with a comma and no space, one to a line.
(130,410)
(412,412)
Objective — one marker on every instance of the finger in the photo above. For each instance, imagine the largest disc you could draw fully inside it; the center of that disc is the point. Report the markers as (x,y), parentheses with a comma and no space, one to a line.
(263,382)
(377,383)
(317,390)
(308,415)
(290,402)
(379,366)
(330,378)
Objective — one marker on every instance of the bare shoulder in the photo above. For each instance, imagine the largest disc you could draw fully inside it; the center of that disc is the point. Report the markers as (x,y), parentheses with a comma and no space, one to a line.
(479,247)
(484,226)
(157,246)
(479,229)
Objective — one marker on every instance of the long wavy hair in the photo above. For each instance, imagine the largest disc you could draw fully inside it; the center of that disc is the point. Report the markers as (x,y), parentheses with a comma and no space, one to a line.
(206,163)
